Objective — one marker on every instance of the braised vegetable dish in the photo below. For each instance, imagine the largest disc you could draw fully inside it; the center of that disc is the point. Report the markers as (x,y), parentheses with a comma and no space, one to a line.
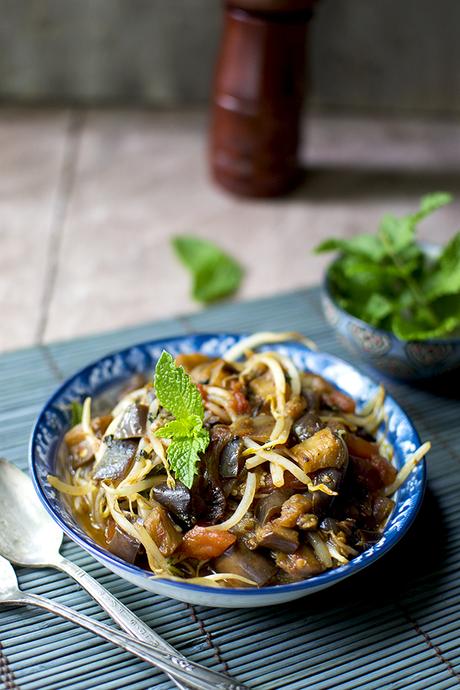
(234,471)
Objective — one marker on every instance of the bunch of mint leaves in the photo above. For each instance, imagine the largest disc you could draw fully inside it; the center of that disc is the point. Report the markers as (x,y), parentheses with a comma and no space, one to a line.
(178,394)
(388,280)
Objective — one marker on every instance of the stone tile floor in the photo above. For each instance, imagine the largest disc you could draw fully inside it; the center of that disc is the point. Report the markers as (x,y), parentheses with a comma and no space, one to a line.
(89,201)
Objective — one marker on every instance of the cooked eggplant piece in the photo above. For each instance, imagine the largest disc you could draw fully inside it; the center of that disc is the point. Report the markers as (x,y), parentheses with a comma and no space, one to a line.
(382,508)
(332,478)
(132,423)
(274,537)
(295,406)
(209,486)
(83,451)
(322,450)
(263,387)
(116,460)
(269,507)
(162,530)
(121,544)
(302,563)
(239,560)
(178,501)
(307,522)
(258,428)
(212,372)
(307,425)
(191,360)
(245,530)
(330,525)
(230,461)
(366,537)
(293,508)
(81,446)
(100,424)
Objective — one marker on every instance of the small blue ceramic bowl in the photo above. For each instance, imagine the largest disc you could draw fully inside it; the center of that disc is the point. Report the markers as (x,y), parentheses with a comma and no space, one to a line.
(97,378)
(406,360)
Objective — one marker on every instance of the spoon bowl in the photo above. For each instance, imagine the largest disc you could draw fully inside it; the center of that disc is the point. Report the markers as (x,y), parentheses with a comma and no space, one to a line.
(8,580)
(28,535)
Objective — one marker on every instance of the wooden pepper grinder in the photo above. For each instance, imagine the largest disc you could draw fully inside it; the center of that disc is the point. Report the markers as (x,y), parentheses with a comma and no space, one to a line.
(258,93)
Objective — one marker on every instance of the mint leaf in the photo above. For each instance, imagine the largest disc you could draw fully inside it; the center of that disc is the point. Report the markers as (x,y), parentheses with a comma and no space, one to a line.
(76,412)
(377,308)
(416,329)
(444,278)
(430,203)
(179,428)
(396,233)
(178,394)
(215,273)
(367,246)
(419,326)
(183,458)
(175,390)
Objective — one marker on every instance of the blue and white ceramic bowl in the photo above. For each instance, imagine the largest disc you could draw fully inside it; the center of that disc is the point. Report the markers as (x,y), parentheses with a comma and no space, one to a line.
(407,360)
(97,378)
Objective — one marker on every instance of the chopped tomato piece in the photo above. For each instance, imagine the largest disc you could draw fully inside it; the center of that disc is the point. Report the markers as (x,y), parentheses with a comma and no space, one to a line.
(202,543)
(240,402)
(203,391)
(360,447)
(337,399)
(374,473)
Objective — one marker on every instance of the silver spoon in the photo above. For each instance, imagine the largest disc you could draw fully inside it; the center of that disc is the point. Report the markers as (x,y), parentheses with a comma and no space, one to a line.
(193,674)
(30,537)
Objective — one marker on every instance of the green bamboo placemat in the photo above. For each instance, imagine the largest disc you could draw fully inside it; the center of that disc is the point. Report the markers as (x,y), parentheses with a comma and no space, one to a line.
(395,625)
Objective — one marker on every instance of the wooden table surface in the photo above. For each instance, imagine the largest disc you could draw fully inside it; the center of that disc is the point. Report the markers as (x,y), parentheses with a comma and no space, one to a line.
(89,201)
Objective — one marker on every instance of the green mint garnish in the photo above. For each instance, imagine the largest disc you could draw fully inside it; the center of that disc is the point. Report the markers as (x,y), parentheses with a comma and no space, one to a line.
(178,394)
(388,281)
(215,274)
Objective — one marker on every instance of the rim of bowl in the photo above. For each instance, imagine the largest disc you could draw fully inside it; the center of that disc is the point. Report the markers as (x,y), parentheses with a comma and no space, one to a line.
(328,290)
(331,576)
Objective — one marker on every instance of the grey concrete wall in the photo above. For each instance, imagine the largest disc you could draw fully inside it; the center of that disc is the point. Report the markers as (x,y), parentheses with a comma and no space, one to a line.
(384,54)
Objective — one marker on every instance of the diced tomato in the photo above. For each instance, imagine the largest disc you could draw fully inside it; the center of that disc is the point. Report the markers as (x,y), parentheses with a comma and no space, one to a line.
(202,543)
(240,402)
(337,399)
(202,390)
(360,447)
(373,473)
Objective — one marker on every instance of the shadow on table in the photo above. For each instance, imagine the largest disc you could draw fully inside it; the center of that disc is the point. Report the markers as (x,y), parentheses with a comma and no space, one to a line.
(445,386)
(417,555)
(320,183)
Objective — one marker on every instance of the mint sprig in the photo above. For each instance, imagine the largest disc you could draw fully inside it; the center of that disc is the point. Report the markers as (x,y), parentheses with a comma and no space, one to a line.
(178,395)
(387,280)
